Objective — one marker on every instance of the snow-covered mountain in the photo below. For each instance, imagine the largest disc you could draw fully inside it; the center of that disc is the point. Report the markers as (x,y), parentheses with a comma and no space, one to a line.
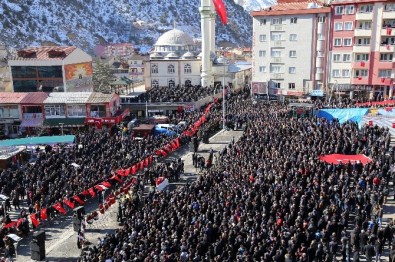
(85,23)
(254,5)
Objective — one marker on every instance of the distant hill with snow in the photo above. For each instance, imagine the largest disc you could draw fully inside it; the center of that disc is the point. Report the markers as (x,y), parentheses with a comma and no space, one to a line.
(255,5)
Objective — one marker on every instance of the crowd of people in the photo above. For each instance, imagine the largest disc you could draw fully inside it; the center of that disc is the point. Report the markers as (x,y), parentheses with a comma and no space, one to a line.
(268,198)
(176,94)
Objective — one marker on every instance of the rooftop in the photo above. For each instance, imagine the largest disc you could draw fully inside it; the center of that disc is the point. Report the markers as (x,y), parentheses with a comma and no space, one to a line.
(68,98)
(34,98)
(290,8)
(97,98)
(50,53)
(11,98)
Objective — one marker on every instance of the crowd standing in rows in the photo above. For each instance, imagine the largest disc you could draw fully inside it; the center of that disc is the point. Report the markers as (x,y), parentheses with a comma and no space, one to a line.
(268,198)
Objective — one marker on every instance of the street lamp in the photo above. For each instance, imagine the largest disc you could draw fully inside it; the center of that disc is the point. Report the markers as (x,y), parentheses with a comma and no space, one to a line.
(222,60)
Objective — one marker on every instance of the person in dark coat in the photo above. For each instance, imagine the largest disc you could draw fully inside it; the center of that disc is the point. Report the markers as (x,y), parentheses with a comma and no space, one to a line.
(369,252)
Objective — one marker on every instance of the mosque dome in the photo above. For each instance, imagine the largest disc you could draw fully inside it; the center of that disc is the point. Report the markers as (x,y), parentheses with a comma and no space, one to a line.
(188,55)
(156,56)
(174,37)
(172,55)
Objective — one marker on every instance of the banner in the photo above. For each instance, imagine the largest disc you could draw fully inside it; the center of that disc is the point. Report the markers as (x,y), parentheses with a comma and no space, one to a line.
(69,203)
(58,207)
(78,200)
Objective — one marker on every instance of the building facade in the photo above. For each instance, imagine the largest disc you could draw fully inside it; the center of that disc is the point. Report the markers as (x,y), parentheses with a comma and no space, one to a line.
(51,68)
(290,47)
(362,48)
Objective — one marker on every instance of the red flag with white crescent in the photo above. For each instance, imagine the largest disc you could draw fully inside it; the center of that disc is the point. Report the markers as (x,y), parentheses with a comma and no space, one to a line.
(221,10)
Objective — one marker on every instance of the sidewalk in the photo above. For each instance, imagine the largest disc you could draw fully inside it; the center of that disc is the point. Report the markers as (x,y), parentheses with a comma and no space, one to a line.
(61,240)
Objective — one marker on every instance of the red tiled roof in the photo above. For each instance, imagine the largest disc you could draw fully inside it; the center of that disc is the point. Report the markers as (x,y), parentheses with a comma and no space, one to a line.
(43,53)
(97,98)
(11,98)
(34,98)
(292,8)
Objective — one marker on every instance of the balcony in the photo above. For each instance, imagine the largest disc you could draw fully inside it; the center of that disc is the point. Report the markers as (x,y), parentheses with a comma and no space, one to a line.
(276,76)
(386,48)
(277,43)
(363,32)
(276,60)
(389,15)
(360,81)
(32,115)
(361,49)
(278,28)
(319,62)
(384,31)
(318,76)
(364,16)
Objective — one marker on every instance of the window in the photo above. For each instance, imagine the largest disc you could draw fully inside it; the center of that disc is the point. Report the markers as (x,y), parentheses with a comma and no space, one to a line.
(155,84)
(292,53)
(263,21)
(294,20)
(336,58)
(262,53)
(365,9)
(385,72)
(387,41)
(54,110)
(9,112)
(277,85)
(291,85)
(338,26)
(348,25)
(335,73)
(76,110)
(276,37)
(321,19)
(345,73)
(361,57)
(98,111)
(347,41)
(293,37)
(386,57)
(292,70)
(361,73)
(320,36)
(187,69)
(154,68)
(346,57)
(275,53)
(170,69)
(277,21)
(262,38)
(363,41)
(389,7)
(337,42)
(262,69)
(365,25)
(349,9)
(339,10)
(275,68)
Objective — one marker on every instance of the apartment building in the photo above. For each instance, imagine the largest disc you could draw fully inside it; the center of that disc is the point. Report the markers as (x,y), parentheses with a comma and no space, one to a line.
(290,48)
(362,48)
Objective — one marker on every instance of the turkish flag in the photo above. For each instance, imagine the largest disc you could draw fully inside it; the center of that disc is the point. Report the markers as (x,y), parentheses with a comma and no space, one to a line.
(362,63)
(151,158)
(106,184)
(141,165)
(389,31)
(121,172)
(43,214)
(85,192)
(134,169)
(78,200)
(359,77)
(146,162)
(58,207)
(92,192)
(100,187)
(221,10)
(69,203)
(370,123)
(178,142)
(11,224)
(393,124)
(388,47)
(33,218)
(115,177)
(382,80)
(127,172)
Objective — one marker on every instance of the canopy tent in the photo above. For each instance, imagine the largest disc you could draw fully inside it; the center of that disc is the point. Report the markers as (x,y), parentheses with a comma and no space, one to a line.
(344,115)
(40,140)
(345,159)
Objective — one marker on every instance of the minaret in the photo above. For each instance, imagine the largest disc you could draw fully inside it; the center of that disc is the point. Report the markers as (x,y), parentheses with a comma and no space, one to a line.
(205,17)
(212,27)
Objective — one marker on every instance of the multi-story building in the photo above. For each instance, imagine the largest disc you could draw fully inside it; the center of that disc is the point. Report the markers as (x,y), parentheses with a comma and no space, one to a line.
(290,47)
(118,50)
(362,48)
(51,68)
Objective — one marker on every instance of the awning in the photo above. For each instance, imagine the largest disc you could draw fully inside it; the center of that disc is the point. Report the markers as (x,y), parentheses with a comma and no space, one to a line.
(66,122)
(32,122)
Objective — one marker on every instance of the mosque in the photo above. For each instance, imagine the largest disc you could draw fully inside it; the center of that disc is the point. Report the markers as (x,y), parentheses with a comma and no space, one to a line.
(176,59)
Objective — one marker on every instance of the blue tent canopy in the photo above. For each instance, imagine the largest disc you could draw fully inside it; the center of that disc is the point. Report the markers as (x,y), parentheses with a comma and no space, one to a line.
(40,140)
(344,115)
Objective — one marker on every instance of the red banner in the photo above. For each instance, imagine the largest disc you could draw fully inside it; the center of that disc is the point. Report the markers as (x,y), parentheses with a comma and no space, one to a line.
(115,177)
(11,224)
(106,184)
(134,169)
(121,172)
(92,192)
(78,200)
(43,214)
(69,203)
(345,159)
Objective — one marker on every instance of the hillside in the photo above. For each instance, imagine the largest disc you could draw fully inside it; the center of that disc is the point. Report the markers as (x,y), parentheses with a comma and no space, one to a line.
(85,23)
